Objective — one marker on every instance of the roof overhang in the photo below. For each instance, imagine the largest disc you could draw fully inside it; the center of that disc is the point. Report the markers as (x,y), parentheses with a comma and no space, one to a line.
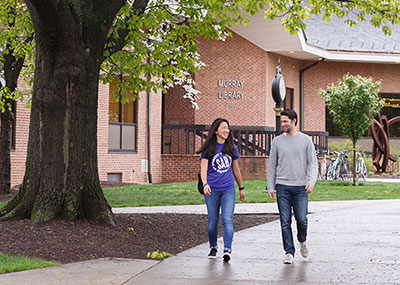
(271,36)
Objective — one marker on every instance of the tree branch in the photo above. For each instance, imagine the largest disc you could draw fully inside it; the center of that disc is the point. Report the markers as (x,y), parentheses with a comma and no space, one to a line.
(139,6)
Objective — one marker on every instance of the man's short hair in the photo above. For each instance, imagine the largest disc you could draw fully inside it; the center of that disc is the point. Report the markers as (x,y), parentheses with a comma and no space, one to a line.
(291,114)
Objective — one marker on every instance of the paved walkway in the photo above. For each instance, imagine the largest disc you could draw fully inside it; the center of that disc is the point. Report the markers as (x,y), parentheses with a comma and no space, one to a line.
(351,242)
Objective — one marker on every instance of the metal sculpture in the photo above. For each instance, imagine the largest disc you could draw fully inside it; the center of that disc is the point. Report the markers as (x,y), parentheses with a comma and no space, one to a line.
(380,135)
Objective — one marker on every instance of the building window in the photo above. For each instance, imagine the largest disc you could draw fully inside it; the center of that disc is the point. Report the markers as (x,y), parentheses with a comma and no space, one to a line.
(114,177)
(330,126)
(288,102)
(122,123)
(391,109)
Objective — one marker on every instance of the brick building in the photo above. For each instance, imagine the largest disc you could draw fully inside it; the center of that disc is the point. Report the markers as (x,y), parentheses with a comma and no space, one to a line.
(236,85)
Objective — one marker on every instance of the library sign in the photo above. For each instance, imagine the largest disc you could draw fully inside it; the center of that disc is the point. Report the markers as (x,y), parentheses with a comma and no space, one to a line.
(235,91)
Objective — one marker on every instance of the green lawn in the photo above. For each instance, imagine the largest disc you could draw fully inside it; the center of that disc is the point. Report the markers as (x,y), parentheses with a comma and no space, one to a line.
(186,194)
(20,263)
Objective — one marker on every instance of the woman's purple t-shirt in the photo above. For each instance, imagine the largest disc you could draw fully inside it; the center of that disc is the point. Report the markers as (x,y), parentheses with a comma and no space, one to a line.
(219,173)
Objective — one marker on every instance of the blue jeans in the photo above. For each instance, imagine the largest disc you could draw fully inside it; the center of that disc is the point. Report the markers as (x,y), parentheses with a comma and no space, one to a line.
(296,197)
(226,201)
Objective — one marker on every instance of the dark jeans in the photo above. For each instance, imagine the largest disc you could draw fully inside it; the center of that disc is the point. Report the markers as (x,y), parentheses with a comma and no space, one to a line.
(296,197)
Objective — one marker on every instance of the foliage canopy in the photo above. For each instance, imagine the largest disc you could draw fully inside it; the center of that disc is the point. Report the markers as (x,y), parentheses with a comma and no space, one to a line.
(16,42)
(353,103)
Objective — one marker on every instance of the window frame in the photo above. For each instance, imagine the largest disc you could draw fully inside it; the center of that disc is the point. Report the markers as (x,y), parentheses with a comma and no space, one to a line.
(121,125)
(285,103)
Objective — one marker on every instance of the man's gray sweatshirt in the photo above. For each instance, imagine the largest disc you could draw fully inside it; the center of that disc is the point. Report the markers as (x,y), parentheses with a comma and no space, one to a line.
(292,161)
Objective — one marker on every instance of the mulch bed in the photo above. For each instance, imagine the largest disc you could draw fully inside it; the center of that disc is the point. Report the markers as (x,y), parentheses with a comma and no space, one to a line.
(133,236)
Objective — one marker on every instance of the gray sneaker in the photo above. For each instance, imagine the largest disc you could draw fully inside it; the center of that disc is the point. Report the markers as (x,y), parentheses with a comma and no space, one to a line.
(288,258)
(303,249)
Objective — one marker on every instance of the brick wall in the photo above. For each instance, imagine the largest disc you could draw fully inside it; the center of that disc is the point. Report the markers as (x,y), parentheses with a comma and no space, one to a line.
(326,73)
(130,164)
(177,110)
(233,59)
(18,155)
(181,168)
(253,167)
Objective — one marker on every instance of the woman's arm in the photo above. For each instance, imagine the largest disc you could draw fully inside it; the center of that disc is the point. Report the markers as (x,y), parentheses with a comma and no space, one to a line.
(238,177)
(203,174)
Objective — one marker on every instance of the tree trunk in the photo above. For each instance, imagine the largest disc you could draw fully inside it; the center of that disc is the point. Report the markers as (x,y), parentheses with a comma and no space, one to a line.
(61,178)
(6,121)
(12,68)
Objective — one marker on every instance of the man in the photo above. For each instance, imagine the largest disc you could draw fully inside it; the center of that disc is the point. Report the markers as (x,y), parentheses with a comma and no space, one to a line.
(292,173)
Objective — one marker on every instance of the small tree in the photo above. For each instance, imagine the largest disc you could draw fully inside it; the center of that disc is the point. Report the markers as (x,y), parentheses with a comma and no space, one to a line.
(16,58)
(353,104)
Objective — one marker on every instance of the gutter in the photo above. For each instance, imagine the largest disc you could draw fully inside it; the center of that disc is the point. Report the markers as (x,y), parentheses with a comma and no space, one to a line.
(302,92)
(148,127)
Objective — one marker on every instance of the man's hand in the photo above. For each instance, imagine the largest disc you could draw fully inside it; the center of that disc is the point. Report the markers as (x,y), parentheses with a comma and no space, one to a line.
(309,188)
(241,195)
(271,195)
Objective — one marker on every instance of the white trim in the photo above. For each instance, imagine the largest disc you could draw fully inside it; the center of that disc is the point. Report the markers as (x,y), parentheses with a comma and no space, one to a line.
(347,56)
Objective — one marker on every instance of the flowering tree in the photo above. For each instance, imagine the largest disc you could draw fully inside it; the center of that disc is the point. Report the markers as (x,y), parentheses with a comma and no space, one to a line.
(80,42)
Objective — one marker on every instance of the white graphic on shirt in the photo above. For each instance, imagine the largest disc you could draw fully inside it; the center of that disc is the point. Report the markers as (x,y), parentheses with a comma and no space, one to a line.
(221,162)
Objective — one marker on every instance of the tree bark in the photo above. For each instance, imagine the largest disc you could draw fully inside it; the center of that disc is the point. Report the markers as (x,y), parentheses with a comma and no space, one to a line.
(12,68)
(6,121)
(61,178)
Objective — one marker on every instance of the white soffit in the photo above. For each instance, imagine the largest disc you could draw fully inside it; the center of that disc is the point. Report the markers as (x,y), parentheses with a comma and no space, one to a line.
(268,35)
(272,36)
(338,55)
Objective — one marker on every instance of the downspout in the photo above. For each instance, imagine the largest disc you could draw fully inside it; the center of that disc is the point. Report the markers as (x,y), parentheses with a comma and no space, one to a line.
(148,126)
(302,92)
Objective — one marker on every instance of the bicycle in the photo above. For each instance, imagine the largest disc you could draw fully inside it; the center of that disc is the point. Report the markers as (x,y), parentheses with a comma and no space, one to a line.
(345,167)
(361,167)
(339,169)
(323,165)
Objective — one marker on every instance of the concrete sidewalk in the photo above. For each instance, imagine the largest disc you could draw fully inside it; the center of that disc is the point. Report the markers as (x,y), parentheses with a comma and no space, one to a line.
(356,243)
(351,242)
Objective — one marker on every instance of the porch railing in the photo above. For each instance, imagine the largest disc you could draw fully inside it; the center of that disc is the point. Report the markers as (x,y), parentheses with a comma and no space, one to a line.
(250,140)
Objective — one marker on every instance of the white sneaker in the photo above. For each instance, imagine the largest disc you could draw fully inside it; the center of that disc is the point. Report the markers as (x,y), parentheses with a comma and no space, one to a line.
(227,256)
(288,258)
(303,249)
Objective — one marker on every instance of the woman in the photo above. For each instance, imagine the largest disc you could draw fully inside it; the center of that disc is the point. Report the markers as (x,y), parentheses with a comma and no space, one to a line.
(219,169)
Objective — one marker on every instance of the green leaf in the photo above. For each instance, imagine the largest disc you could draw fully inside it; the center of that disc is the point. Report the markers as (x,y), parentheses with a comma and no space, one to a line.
(158,255)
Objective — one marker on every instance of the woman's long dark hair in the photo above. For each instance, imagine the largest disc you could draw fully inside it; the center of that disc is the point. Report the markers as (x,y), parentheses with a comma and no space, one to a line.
(209,147)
